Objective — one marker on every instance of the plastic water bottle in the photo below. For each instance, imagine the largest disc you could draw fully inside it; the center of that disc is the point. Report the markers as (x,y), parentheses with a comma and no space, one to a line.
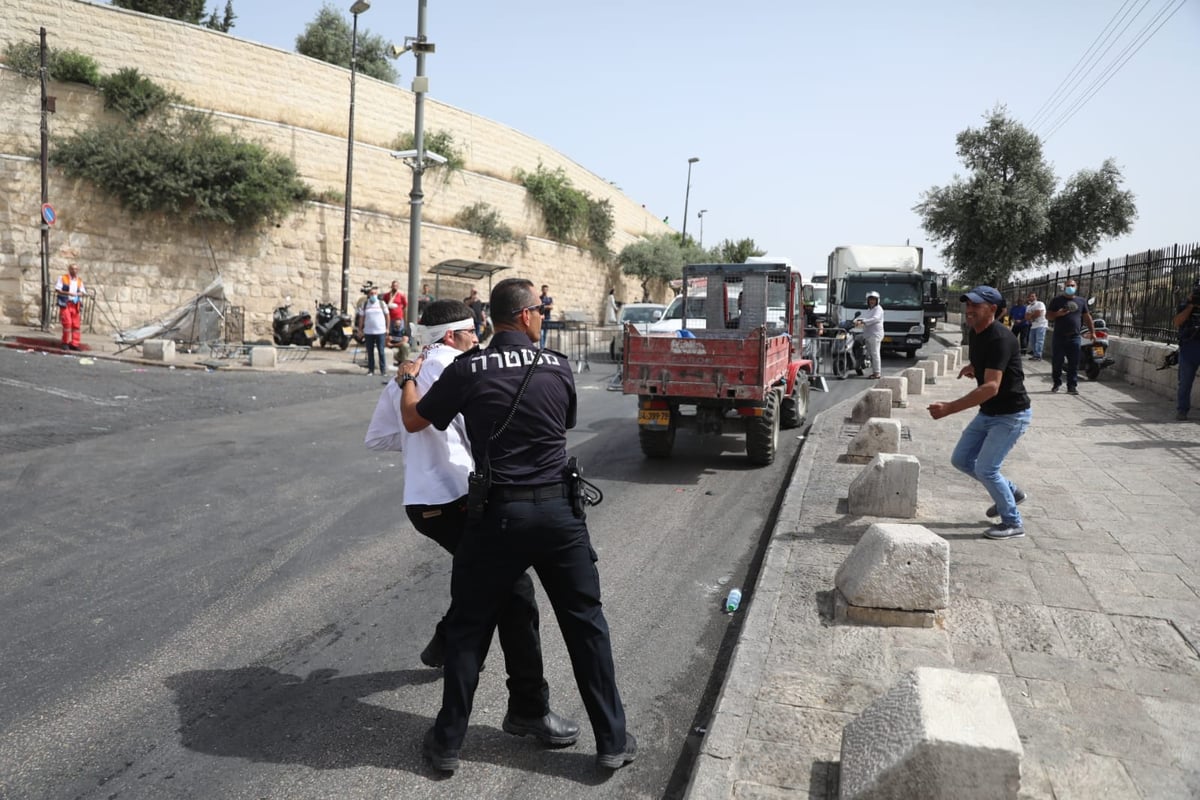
(733,601)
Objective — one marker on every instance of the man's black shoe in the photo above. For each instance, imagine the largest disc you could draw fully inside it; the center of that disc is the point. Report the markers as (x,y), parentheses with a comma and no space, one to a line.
(1072,390)
(618,760)
(434,654)
(551,730)
(1056,387)
(443,759)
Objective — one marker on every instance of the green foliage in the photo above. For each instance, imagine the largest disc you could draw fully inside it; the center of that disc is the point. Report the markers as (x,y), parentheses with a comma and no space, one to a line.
(133,95)
(329,37)
(731,252)
(69,66)
(184,166)
(184,10)
(570,215)
(655,258)
(440,142)
(1005,216)
(225,23)
(484,221)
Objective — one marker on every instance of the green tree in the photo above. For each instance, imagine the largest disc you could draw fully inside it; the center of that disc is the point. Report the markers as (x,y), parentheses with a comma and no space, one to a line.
(329,38)
(1006,216)
(184,10)
(225,23)
(655,258)
(731,252)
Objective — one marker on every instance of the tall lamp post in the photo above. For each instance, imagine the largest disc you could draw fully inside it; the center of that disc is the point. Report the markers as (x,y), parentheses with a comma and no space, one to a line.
(420,86)
(359,7)
(686,194)
(701,214)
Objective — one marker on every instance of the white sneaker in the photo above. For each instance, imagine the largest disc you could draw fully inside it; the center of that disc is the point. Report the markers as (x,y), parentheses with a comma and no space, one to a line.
(1004,531)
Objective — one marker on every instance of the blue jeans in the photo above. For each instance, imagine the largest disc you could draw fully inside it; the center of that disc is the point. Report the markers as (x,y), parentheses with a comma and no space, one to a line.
(981,450)
(1189,362)
(1065,350)
(1037,340)
(376,342)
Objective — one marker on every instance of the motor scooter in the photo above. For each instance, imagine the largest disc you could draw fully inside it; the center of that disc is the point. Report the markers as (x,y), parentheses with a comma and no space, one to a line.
(1093,351)
(288,328)
(333,328)
(850,349)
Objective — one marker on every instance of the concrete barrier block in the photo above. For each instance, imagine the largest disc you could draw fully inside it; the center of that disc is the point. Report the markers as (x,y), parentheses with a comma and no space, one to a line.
(897,566)
(937,734)
(964,353)
(931,370)
(263,357)
(899,389)
(887,487)
(158,350)
(846,612)
(916,380)
(952,361)
(876,436)
(873,403)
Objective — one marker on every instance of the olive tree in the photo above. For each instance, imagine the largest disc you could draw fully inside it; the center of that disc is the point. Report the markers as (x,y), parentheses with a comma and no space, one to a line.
(329,38)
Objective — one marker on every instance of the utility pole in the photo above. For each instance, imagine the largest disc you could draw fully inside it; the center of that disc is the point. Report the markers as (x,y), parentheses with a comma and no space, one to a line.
(420,86)
(45,125)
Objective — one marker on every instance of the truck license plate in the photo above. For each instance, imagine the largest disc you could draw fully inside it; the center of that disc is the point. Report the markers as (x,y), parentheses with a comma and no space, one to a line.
(654,418)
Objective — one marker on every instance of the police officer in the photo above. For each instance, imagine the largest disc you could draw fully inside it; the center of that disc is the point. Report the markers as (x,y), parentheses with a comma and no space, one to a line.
(528,521)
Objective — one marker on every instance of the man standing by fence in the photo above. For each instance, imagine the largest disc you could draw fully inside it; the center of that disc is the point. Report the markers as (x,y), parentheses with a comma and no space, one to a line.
(1187,322)
(1035,314)
(1070,314)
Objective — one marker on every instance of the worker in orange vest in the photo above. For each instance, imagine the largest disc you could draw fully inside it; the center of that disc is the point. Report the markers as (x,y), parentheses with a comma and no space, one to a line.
(70,291)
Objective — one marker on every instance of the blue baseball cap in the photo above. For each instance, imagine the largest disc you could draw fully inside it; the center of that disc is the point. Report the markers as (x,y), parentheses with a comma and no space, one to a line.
(984,294)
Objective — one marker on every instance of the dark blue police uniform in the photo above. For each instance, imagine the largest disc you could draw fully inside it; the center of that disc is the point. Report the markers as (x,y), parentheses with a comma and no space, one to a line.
(1067,339)
(528,522)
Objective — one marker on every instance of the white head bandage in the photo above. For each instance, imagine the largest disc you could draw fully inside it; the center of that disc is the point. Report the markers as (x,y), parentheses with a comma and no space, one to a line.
(428,334)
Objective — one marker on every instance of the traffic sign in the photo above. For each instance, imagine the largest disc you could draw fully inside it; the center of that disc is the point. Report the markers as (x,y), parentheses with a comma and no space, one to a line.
(48,213)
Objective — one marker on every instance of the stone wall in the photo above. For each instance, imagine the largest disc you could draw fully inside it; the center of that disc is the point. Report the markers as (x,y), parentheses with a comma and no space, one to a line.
(145,264)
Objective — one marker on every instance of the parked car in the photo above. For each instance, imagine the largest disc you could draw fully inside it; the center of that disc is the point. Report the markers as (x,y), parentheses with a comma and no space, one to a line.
(641,315)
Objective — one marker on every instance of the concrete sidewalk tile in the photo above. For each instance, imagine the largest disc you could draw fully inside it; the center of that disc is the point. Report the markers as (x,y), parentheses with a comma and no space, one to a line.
(1049,695)
(750,790)
(909,658)
(1180,721)
(1015,690)
(1061,586)
(1157,643)
(1045,666)
(992,584)
(1092,636)
(1178,611)
(812,727)
(1100,545)
(972,658)
(1111,736)
(1160,563)
(1089,777)
(1154,781)
(785,765)
(813,690)
(1153,682)
(1115,561)
(1102,580)
(1093,705)
(1028,628)
(970,621)
(1163,584)
(1142,542)
(1035,785)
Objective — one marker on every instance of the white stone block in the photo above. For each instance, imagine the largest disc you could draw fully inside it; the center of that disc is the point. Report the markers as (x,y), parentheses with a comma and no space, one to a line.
(263,357)
(916,380)
(938,734)
(932,370)
(874,437)
(887,487)
(897,566)
(952,361)
(158,350)
(899,389)
(873,403)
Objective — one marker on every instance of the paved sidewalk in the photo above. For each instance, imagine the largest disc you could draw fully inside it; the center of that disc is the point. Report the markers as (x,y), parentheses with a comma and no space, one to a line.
(1091,623)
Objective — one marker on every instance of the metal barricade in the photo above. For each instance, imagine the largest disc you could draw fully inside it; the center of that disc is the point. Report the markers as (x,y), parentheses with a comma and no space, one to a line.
(572,337)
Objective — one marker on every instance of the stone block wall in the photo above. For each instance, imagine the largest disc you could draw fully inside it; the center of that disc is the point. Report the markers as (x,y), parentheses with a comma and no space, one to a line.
(144,265)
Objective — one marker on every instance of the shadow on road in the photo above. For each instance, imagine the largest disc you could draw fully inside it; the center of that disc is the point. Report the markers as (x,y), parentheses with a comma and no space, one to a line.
(322,722)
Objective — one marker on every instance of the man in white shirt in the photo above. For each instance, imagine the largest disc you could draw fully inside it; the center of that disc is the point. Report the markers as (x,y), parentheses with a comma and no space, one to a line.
(872,324)
(436,465)
(1035,315)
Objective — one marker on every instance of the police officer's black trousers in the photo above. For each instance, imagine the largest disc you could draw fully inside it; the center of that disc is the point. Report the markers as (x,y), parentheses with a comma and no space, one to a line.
(517,617)
(512,537)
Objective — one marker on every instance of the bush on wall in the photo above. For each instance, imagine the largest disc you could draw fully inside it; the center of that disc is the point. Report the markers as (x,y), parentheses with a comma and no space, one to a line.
(571,216)
(484,221)
(68,66)
(133,95)
(440,142)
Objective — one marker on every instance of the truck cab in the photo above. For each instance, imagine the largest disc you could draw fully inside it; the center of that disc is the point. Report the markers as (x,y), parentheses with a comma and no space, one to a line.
(896,273)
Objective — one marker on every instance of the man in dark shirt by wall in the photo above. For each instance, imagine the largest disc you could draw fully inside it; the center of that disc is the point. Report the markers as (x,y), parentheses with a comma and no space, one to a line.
(1069,313)
(1187,322)
(1004,409)
(518,401)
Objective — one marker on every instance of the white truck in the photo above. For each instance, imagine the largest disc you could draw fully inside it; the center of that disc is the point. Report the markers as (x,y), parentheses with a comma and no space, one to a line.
(896,273)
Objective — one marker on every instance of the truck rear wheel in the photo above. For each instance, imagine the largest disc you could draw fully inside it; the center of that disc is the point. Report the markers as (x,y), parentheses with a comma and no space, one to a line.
(657,443)
(794,408)
(762,433)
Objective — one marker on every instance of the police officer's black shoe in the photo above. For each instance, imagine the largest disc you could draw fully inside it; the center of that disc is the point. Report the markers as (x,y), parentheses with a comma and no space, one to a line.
(618,760)
(443,759)
(434,654)
(551,730)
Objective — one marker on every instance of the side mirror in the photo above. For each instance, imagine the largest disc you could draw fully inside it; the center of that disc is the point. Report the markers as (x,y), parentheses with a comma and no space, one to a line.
(933,290)
(857,314)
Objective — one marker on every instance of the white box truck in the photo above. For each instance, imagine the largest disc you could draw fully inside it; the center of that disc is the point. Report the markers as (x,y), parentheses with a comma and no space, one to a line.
(897,273)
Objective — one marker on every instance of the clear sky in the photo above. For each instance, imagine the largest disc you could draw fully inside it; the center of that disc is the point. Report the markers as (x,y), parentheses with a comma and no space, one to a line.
(816,124)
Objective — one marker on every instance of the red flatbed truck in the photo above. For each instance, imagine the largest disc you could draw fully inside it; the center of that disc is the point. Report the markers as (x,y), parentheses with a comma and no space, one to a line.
(727,356)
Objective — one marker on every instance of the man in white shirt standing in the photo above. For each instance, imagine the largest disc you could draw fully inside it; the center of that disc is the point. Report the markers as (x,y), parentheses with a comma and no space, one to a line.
(436,465)
(872,324)
(1035,314)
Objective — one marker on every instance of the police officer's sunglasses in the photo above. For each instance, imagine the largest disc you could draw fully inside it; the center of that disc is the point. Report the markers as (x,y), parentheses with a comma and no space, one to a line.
(534,307)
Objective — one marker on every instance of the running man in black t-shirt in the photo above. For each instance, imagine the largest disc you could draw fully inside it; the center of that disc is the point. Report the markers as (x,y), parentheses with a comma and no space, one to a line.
(1004,410)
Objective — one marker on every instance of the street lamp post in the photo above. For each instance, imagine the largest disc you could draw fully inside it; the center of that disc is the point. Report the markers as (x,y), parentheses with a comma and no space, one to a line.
(359,7)
(688,192)
(420,86)
(701,214)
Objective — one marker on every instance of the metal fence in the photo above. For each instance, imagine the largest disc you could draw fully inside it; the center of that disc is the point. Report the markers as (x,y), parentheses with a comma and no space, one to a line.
(1135,295)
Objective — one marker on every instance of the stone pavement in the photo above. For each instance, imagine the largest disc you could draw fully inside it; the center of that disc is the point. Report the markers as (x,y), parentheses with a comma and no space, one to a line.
(1091,623)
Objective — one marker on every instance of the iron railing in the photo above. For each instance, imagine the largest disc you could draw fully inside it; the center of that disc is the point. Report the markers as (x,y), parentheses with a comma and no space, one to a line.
(1136,295)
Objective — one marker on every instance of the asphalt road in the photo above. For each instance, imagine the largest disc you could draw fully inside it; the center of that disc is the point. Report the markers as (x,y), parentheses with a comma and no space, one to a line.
(209,589)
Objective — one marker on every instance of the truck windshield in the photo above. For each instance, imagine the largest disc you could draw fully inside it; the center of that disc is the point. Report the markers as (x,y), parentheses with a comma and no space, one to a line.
(895,295)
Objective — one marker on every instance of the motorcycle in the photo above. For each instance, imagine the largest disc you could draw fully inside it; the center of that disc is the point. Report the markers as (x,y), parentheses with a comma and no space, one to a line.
(288,328)
(333,328)
(850,350)
(1093,354)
